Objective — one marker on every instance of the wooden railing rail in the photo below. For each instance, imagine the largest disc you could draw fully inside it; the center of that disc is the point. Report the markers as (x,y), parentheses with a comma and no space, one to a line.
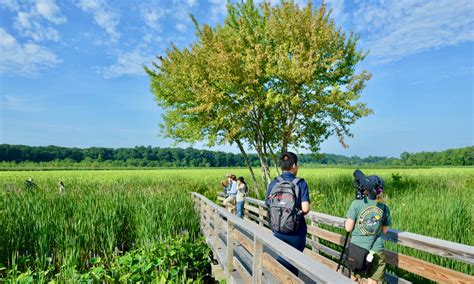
(256,211)
(236,227)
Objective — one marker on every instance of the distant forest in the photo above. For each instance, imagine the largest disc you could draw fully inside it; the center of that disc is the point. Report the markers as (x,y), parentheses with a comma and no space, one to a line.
(53,156)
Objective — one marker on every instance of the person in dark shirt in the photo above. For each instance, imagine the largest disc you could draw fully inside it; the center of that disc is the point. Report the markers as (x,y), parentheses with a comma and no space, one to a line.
(297,239)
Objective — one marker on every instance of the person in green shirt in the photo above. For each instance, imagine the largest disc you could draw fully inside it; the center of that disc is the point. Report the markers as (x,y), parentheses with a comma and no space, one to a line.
(367,219)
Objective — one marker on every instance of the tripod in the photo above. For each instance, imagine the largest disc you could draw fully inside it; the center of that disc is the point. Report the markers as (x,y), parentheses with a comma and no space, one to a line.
(342,255)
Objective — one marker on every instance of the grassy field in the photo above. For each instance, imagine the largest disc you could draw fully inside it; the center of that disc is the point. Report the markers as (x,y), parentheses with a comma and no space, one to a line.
(113,225)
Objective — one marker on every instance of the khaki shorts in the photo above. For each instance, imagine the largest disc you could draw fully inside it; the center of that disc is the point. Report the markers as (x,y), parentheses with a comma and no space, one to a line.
(377,269)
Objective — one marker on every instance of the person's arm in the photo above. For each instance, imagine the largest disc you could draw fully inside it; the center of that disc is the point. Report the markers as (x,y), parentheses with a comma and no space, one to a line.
(385,229)
(351,217)
(305,207)
(349,225)
(305,202)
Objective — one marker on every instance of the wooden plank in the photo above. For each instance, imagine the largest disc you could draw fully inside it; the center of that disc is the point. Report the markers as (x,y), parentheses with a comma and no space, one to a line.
(244,274)
(426,269)
(217,226)
(314,238)
(230,249)
(411,264)
(327,235)
(251,208)
(244,241)
(327,250)
(435,246)
(307,265)
(278,270)
(257,261)
(461,252)
(392,279)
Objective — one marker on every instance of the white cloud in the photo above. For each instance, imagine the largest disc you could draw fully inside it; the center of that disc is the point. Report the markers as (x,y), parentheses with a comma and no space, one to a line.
(23,59)
(28,25)
(11,5)
(191,3)
(218,9)
(181,27)
(50,11)
(103,15)
(152,15)
(33,21)
(128,63)
(393,30)
(338,13)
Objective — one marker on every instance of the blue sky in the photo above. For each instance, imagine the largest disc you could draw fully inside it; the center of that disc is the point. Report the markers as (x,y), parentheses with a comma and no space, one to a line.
(71,71)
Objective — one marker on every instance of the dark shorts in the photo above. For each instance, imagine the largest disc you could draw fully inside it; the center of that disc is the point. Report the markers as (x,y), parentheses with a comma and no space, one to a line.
(377,269)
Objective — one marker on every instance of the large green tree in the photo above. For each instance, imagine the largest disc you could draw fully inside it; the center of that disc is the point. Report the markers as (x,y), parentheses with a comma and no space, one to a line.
(270,78)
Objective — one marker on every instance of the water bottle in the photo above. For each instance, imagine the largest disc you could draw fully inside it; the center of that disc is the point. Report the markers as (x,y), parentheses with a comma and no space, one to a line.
(370,256)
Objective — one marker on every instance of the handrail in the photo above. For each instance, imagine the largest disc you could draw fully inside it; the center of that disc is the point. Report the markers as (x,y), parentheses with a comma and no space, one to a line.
(452,250)
(304,263)
(255,210)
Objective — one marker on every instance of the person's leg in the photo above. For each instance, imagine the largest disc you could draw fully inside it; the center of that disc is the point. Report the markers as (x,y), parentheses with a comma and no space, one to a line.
(228,202)
(240,208)
(297,242)
(376,272)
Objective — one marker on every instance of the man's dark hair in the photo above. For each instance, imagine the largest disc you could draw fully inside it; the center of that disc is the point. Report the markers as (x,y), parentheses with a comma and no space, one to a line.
(287,160)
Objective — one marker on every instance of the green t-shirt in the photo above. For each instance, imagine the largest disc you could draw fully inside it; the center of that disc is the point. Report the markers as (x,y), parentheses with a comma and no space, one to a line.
(367,215)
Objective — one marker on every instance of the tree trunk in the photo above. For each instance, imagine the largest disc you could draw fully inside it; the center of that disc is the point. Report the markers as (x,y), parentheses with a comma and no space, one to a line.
(256,188)
(266,178)
(275,160)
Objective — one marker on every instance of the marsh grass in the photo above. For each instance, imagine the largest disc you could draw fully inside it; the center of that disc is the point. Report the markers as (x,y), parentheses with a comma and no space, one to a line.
(108,214)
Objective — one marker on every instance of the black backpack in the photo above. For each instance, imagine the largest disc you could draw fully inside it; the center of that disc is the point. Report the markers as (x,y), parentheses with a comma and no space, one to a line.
(283,212)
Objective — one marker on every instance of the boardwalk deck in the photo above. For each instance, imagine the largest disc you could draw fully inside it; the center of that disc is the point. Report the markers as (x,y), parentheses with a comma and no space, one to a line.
(251,254)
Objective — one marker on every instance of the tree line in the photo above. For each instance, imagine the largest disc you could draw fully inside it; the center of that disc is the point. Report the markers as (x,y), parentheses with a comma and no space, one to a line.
(54,156)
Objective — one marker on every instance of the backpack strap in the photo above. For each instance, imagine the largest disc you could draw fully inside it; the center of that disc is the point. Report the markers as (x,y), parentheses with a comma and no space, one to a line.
(295,181)
(279,179)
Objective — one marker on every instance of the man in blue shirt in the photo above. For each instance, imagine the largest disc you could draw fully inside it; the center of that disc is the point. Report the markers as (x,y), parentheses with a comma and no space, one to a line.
(297,239)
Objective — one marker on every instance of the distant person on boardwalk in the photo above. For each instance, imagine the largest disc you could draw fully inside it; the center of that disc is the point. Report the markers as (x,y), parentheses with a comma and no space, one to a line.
(294,192)
(242,190)
(62,189)
(367,219)
(230,200)
(226,185)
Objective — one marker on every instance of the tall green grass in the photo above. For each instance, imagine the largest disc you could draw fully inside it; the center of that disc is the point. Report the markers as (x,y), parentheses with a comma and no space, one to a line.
(109,213)
(100,216)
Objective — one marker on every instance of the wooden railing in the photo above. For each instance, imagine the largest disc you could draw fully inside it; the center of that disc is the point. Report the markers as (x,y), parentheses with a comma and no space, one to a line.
(255,210)
(246,252)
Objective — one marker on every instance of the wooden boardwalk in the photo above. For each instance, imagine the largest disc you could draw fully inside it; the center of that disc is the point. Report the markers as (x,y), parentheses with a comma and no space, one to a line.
(245,250)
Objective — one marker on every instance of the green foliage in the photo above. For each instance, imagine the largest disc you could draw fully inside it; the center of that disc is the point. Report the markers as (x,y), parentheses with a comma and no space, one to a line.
(19,156)
(84,231)
(271,78)
(112,225)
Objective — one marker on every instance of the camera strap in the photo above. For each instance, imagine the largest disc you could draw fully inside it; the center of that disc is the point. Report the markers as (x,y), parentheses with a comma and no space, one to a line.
(380,227)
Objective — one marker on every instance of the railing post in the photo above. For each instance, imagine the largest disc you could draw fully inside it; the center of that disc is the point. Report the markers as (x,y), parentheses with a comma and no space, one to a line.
(257,260)
(260,215)
(208,218)
(314,238)
(201,211)
(217,225)
(230,250)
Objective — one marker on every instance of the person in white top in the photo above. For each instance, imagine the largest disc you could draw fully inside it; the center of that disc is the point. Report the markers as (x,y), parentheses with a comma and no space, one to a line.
(242,190)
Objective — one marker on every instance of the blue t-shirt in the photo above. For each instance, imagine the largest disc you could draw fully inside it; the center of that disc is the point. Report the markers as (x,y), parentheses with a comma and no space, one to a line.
(303,196)
(233,188)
